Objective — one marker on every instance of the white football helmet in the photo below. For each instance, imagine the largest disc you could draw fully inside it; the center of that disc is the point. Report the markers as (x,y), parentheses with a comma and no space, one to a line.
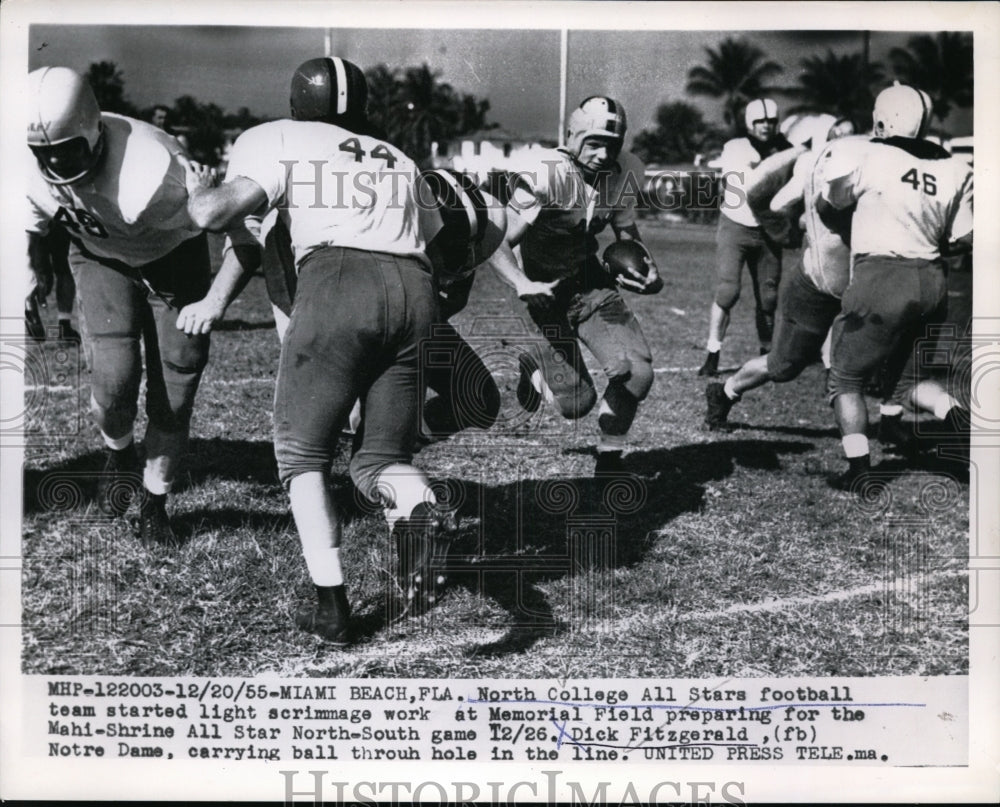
(759,109)
(902,111)
(62,109)
(597,116)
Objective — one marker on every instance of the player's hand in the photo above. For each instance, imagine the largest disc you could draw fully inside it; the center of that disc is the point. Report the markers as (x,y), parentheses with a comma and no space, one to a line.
(538,295)
(634,281)
(200,317)
(196,175)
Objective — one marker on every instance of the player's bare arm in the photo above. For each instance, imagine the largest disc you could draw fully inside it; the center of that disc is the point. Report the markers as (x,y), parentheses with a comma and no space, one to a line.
(241,258)
(507,266)
(217,208)
(651,283)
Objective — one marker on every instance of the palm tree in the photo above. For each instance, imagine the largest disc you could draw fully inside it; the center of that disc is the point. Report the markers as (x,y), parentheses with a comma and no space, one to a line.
(941,65)
(840,85)
(737,72)
(680,133)
(429,108)
(108,84)
(383,100)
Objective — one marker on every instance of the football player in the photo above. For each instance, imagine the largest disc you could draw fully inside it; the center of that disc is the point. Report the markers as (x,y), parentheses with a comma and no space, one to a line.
(364,300)
(909,197)
(810,292)
(742,237)
(559,202)
(118,187)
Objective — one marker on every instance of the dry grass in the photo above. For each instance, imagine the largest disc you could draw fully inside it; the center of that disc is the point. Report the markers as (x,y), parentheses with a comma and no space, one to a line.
(727,556)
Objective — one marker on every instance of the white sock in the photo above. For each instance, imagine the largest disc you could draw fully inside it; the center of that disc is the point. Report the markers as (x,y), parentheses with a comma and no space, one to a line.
(118,443)
(943,406)
(611,442)
(538,382)
(713,345)
(855,445)
(890,410)
(402,488)
(319,528)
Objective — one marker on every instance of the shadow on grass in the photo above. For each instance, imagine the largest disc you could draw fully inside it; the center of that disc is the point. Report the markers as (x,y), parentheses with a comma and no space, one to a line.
(578,531)
(75,481)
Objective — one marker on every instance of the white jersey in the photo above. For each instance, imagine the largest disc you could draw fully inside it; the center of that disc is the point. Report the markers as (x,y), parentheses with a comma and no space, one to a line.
(739,156)
(565,213)
(134,206)
(826,258)
(332,187)
(912,197)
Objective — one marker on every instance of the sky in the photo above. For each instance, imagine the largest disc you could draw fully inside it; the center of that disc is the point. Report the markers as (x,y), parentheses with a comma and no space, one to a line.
(517,70)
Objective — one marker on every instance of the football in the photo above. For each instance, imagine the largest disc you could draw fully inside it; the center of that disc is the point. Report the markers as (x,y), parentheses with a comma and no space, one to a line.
(621,256)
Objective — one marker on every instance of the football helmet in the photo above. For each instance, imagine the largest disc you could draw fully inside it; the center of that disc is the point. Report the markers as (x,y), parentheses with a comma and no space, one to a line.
(473,223)
(329,89)
(65,131)
(902,111)
(759,109)
(597,116)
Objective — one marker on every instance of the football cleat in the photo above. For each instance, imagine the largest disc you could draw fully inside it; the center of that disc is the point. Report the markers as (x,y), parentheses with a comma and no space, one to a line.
(858,479)
(892,432)
(711,365)
(154,526)
(609,462)
(67,332)
(423,542)
(329,618)
(719,405)
(119,481)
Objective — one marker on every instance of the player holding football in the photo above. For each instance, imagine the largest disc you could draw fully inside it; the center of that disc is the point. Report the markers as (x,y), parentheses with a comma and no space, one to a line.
(118,186)
(558,205)
(363,302)
(809,300)
(742,237)
(910,197)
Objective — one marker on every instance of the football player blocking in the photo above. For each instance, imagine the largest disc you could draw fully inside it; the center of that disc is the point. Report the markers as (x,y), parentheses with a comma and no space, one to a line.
(118,187)
(809,298)
(359,313)
(909,197)
(559,202)
(874,189)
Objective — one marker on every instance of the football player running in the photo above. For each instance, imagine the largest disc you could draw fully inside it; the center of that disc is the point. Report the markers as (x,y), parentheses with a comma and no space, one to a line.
(559,203)
(742,236)
(118,187)
(910,197)
(364,301)
(809,299)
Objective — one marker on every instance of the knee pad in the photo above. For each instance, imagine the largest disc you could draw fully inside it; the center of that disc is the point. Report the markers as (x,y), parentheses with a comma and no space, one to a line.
(640,380)
(727,292)
(576,403)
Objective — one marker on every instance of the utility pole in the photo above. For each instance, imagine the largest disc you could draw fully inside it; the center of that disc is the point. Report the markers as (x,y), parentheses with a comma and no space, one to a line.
(563,62)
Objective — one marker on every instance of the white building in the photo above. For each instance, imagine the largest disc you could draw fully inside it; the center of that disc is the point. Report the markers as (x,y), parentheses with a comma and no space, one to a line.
(484,152)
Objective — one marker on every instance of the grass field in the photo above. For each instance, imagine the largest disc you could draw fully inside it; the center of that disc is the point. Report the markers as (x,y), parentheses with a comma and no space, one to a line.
(725,554)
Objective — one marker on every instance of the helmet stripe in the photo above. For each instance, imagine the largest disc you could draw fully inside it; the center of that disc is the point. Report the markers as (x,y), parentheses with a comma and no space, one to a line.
(924,117)
(467,205)
(341,84)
